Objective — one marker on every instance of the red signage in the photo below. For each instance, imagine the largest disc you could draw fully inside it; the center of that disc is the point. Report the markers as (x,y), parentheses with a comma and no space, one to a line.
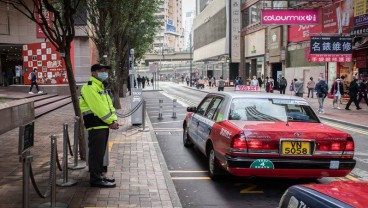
(49,16)
(330,57)
(299,33)
(248,88)
(338,17)
(50,66)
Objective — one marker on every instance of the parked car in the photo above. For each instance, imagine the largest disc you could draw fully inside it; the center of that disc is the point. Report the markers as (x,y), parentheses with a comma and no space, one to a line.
(337,194)
(266,135)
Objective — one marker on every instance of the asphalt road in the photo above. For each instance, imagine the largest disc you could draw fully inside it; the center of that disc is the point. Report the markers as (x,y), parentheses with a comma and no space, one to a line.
(188,167)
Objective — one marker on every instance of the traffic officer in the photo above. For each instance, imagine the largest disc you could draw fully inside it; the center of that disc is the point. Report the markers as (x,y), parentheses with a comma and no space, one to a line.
(98,115)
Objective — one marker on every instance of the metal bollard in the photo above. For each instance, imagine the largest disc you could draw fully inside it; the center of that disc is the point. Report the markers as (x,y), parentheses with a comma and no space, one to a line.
(144,116)
(26,159)
(160,101)
(53,202)
(65,181)
(174,109)
(77,164)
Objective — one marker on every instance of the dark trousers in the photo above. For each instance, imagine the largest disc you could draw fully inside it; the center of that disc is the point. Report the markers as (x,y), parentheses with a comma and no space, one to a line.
(352,99)
(34,83)
(310,92)
(282,89)
(97,141)
(363,95)
(221,88)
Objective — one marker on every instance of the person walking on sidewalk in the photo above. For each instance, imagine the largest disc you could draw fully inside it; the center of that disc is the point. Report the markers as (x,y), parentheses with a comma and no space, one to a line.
(363,92)
(260,82)
(221,84)
(283,84)
(322,90)
(353,93)
(98,115)
(33,78)
(337,91)
(298,87)
(254,81)
(311,85)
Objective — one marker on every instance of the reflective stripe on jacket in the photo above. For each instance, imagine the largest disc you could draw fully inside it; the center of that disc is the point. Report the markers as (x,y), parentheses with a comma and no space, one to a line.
(96,105)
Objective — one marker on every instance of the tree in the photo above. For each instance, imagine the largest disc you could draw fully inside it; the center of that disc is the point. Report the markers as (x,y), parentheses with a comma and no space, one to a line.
(60,33)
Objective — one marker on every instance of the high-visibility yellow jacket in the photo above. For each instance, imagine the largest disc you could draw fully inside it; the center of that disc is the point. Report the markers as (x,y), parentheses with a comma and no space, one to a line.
(96,105)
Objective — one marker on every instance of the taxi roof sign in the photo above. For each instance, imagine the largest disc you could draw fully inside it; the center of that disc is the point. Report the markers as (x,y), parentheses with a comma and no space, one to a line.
(247,88)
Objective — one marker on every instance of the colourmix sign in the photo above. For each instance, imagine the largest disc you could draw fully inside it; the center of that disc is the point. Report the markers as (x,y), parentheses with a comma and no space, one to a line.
(330,49)
(289,17)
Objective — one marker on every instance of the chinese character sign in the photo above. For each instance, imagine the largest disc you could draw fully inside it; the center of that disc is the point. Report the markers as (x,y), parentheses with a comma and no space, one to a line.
(49,16)
(330,49)
(50,66)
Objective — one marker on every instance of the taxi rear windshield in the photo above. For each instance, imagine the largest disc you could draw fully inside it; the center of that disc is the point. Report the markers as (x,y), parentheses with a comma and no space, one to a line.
(264,109)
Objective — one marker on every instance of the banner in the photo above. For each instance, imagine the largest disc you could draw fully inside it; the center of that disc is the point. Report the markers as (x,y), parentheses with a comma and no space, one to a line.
(49,16)
(298,33)
(330,49)
(235,31)
(338,17)
(47,61)
(289,17)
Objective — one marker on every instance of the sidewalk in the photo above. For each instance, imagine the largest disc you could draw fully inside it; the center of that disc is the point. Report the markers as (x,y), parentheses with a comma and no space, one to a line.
(358,118)
(136,162)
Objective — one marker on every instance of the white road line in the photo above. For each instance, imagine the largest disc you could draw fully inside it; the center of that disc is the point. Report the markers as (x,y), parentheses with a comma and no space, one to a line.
(167,122)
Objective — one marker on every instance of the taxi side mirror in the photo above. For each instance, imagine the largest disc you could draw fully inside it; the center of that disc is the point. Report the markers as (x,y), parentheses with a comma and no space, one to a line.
(191,109)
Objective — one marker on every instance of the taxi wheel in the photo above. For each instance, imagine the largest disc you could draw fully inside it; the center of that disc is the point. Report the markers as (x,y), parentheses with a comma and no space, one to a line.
(186,139)
(214,171)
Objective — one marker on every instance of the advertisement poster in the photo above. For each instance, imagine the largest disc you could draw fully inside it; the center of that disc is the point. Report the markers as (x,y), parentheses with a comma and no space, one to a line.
(298,33)
(338,17)
(49,64)
(330,49)
(289,17)
(49,16)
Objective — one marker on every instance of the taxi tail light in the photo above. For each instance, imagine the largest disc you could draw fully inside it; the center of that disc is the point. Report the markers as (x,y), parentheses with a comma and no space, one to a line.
(261,145)
(331,146)
(349,147)
(239,143)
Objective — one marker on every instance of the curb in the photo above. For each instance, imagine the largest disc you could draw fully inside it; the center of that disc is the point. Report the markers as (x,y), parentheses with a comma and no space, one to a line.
(343,122)
(169,182)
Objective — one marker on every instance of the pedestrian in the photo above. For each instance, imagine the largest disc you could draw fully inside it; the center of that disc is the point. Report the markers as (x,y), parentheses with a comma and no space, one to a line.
(236,82)
(363,91)
(143,81)
(152,81)
(98,115)
(322,90)
(291,87)
(260,82)
(148,81)
(139,80)
(353,93)
(311,85)
(298,87)
(32,76)
(337,91)
(209,82)
(240,81)
(221,84)
(254,81)
(283,84)
(214,82)
(187,80)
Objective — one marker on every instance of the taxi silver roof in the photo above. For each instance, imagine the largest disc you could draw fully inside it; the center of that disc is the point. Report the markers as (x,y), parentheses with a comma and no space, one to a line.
(245,94)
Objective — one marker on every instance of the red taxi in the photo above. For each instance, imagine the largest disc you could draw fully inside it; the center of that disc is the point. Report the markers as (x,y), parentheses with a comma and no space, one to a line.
(337,194)
(266,135)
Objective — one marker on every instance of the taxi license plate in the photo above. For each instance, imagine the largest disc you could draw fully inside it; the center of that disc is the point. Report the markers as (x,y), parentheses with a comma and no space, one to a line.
(295,148)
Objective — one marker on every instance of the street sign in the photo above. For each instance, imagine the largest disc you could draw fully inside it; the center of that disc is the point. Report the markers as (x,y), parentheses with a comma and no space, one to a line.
(152,68)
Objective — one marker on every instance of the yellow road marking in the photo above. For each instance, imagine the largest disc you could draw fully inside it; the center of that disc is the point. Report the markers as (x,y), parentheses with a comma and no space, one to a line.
(110,144)
(351,178)
(190,178)
(346,128)
(188,171)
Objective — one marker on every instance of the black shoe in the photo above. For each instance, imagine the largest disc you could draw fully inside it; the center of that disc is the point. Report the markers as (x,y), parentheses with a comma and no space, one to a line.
(359,108)
(111,180)
(103,184)
(347,109)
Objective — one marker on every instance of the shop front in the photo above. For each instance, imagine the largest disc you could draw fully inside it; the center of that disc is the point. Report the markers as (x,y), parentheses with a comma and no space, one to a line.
(275,56)
(254,53)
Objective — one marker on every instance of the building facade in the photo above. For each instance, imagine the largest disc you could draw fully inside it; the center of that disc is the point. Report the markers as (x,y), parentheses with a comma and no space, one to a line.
(170,36)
